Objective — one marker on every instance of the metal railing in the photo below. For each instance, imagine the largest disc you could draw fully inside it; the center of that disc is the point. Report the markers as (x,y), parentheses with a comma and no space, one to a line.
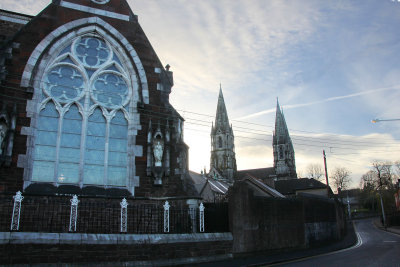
(60,214)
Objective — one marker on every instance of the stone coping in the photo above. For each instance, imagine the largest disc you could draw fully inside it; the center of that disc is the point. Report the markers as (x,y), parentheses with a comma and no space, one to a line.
(108,239)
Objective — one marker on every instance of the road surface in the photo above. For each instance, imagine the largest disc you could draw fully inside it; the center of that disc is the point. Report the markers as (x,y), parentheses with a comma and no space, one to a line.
(375,248)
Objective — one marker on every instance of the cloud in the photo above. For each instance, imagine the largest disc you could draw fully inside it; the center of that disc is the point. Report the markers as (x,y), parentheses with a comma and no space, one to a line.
(29,7)
(329,99)
(355,153)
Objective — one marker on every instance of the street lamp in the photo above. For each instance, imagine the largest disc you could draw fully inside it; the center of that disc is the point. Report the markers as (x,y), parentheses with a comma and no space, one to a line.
(379,120)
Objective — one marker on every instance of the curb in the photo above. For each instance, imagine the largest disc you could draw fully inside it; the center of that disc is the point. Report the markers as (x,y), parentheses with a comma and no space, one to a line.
(357,242)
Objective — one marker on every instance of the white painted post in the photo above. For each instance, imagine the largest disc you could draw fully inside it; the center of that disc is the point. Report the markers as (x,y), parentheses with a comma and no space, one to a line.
(16,211)
(124,215)
(74,213)
(201,217)
(166,217)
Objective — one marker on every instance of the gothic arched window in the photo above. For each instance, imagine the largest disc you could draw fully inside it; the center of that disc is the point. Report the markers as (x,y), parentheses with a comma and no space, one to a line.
(219,142)
(83,116)
(280,152)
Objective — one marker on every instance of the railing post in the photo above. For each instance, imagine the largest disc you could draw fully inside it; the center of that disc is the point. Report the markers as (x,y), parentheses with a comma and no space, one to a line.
(16,211)
(74,213)
(166,217)
(201,218)
(124,216)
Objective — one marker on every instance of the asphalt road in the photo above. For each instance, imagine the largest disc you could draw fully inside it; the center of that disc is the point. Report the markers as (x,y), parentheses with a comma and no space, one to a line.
(375,248)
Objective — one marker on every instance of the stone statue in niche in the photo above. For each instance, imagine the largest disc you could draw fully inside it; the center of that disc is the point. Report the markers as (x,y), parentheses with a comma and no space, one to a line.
(158,150)
(158,147)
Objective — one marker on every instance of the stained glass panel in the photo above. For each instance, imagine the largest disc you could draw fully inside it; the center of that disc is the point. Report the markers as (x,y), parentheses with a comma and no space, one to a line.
(69,156)
(45,144)
(95,148)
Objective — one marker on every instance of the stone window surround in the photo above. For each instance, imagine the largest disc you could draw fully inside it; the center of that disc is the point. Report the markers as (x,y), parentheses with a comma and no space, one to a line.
(84,109)
(36,66)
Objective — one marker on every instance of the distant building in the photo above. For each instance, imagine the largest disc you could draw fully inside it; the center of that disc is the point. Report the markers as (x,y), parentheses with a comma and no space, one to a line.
(302,186)
(214,190)
(223,159)
(284,160)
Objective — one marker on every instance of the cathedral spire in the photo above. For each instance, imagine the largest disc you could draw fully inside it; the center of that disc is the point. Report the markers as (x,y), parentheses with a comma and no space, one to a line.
(281,130)
(221,117)
(284,161)
(223,159)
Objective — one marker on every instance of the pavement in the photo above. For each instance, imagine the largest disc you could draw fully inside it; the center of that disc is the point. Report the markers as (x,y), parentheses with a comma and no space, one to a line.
(392,229)
(276,257)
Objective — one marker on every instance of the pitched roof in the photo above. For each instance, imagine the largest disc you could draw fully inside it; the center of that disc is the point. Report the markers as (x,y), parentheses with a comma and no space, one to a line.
(206,186)
(290,186)
(262,187)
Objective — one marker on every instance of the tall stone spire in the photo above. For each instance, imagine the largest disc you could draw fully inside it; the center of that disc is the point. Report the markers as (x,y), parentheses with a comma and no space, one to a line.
(223,158)
(284,160)
(221,117)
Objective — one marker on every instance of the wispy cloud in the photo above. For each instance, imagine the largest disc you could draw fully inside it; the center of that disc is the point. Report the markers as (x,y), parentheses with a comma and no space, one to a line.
(329,99)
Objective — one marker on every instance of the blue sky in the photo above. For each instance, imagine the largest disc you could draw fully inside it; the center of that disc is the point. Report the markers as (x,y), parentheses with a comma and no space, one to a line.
(333,64)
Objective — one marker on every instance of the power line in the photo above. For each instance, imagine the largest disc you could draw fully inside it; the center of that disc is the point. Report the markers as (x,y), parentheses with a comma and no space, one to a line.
(326,141)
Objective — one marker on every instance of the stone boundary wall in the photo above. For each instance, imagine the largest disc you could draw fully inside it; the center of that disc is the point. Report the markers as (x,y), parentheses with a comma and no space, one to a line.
(267,223)
(157,249)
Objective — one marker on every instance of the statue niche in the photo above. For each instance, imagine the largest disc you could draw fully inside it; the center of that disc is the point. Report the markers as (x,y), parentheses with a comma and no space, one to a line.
(158,149)
(158,153)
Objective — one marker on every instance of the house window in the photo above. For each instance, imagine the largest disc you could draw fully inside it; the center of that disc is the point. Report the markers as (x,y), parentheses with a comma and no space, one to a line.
(83,116)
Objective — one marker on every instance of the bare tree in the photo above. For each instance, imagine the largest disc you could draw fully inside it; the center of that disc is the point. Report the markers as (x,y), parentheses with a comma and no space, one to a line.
(383,174)
(315,171)
(369,180)
(341,177)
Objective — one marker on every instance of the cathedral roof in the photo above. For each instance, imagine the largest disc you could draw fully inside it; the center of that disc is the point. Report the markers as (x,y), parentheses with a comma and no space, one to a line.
(261,173)
(221,117)
(289,187)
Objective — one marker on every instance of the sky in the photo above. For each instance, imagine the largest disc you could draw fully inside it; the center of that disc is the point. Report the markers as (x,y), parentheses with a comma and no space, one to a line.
(334,65)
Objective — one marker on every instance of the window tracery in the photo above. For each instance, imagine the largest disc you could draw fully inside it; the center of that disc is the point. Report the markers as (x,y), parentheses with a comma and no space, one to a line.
(83,119)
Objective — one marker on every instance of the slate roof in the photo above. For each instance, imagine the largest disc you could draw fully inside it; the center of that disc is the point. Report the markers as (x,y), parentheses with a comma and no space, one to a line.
(206,187)
(262,173)
(289,187)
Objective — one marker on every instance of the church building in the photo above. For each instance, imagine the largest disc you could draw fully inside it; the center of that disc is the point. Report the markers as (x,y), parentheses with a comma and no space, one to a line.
(85,105)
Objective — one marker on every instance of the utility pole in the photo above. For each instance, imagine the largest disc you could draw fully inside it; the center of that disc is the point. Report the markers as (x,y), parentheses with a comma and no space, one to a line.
(380,195)
(326,174)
